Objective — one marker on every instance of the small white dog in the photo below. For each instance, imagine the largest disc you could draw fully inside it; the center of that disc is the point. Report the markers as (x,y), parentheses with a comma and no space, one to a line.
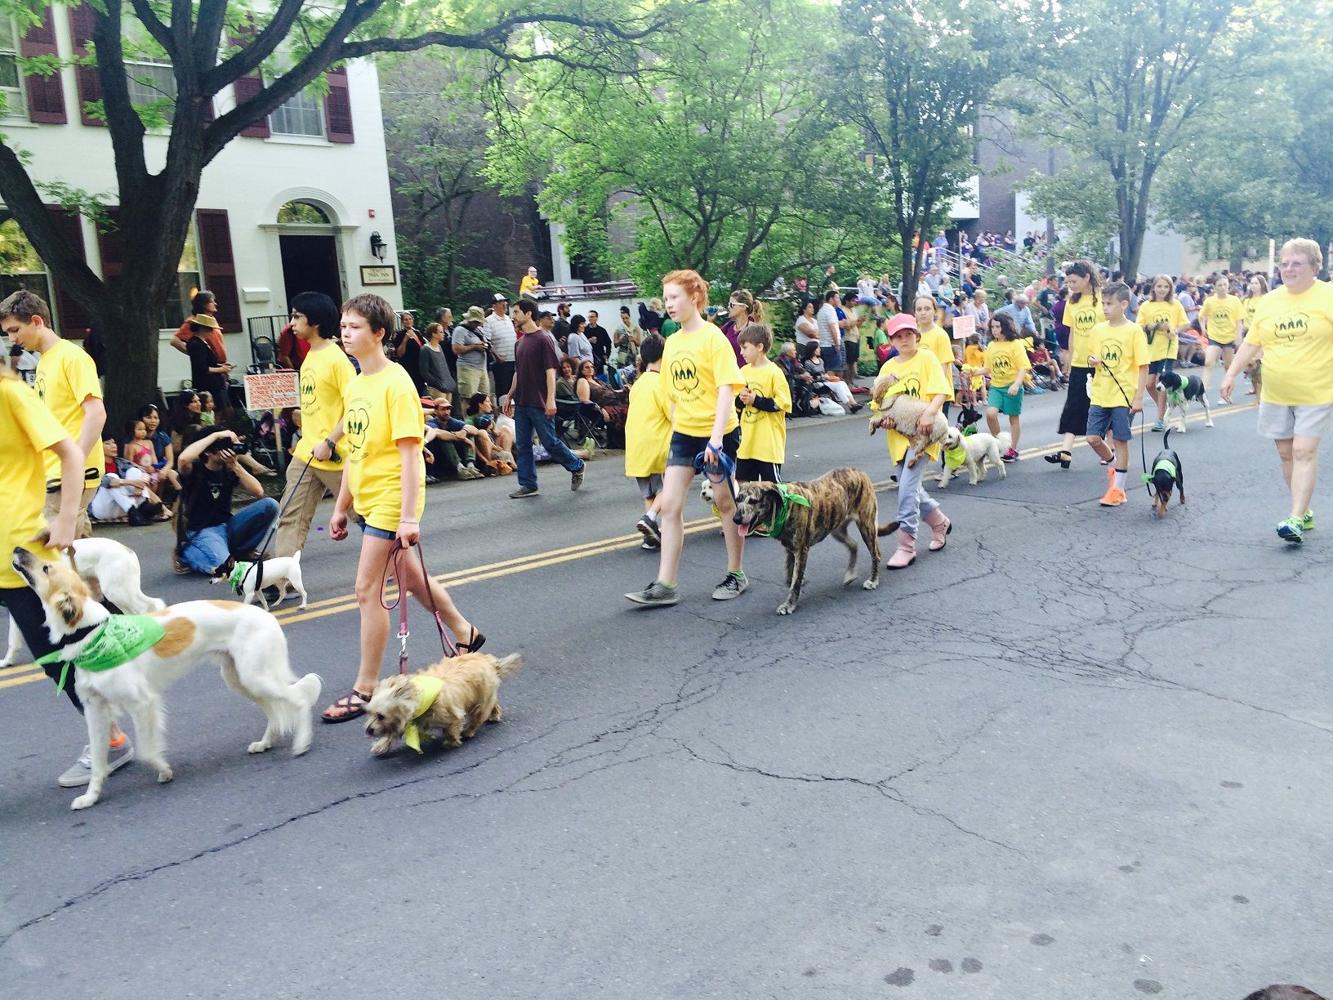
(111,571)
(981,450)
(279,571)
(248,642)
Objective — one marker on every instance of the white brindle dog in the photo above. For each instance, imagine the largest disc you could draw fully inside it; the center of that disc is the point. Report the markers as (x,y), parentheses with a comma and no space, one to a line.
(111,571)
(246,640)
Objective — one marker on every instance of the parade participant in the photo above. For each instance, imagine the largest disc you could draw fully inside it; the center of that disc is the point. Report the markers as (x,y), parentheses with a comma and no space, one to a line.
(699,381)
(67,383)
(764,403)
(1082,311)
(1220,318)
(316,463)
(917,373)
(935,341)
(1118,355)
(1006,362)
(1293,329)
(383,486)
(30,431)
(1256,289)
(1162,319)
(648,436)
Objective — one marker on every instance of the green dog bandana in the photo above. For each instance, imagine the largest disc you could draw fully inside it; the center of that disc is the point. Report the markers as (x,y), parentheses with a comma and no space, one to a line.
(117,640)
(428,689)
(954,458)
(237,578)
(780,521)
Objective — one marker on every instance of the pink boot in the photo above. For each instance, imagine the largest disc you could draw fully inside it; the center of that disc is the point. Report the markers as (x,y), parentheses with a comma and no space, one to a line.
(940,526)
(905,554)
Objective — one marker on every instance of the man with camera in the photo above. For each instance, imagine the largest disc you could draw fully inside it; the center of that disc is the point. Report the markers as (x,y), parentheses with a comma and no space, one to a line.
(208,534)
(471,349)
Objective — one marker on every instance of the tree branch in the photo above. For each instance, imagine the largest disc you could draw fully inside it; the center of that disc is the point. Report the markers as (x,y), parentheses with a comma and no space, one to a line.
(159,31)
(251,55)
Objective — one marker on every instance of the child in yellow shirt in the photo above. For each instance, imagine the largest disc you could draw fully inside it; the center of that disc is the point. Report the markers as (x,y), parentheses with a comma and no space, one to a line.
(974,363)
(700,379)
(764,404)
(1007,365)
(648,436)
(1119,361)
(914,372)
(383,485)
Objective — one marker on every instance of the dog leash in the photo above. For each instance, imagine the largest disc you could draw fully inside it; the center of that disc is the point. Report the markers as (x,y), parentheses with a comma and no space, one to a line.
(1143,426)
(394,559)
(724,467)
(258,565)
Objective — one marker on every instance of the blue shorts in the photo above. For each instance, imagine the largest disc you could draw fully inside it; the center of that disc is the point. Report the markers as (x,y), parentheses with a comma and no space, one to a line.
(684,447)
(1214,343)
(1113,418)
(372,531)
(1161,365)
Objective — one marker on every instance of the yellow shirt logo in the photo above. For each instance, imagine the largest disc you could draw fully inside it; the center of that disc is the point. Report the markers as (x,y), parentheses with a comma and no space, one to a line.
(1111,355)
(684,375)
(308,400)
(912,387)
(40,386)
(1290,329)
(355,424)
(1002,367)
(1084,317)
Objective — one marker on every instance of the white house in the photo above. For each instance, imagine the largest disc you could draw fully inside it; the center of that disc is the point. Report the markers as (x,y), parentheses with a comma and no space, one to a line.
(291,205)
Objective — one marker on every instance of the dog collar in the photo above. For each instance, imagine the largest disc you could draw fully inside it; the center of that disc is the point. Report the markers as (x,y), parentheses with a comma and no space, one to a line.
(780,520)
(236,579)
(117,640)
(428,689)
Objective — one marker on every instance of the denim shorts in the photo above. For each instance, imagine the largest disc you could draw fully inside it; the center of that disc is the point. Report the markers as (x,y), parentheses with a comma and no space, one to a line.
(1113,418)
(372,531)
(684,447)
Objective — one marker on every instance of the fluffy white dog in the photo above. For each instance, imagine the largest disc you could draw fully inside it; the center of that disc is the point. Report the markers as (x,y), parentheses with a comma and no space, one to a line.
(981,450)
(279,571)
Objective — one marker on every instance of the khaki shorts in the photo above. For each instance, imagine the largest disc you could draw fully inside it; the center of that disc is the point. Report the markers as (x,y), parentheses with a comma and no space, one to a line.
(1281,423)
(83,528)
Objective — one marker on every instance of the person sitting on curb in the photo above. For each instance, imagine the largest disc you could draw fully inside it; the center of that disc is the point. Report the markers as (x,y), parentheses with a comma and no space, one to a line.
(208,534)
(447,444)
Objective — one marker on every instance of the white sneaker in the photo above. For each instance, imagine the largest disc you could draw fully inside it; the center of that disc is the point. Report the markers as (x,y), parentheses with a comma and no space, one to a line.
(81,771)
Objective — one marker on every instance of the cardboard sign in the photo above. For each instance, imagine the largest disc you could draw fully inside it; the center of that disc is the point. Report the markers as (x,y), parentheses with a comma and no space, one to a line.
(964,327)
(272,391)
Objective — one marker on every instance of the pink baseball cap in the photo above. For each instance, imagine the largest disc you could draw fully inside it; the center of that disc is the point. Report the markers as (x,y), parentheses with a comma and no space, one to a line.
(900,322)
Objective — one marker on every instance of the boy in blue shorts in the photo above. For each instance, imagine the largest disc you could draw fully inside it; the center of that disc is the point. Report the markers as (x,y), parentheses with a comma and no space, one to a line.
(1119,361)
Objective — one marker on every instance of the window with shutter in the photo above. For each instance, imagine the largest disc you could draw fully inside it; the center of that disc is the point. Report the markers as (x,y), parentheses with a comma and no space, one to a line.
(218,265)
(20,267)
(338,107)
(46,97)
(247,87)
(81,22)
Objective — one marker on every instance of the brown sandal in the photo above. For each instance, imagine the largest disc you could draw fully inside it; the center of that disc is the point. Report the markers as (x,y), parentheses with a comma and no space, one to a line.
(352,706)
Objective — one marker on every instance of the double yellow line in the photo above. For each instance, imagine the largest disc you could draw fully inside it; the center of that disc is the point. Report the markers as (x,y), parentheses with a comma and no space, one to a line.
(29,674)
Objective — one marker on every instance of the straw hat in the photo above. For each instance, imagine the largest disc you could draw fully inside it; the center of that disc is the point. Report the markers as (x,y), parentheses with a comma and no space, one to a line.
(203,319)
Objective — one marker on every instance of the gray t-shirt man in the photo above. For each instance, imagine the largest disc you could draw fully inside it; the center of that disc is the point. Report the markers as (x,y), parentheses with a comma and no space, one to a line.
(463,337)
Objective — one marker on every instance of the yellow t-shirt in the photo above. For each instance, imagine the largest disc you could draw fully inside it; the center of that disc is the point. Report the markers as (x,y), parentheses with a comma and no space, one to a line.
(1250,305)
(1081,317)
(1006,360)
(1123,350)
(324,377)
(1223,316)
(921,377)
(937,342)
(764,432)
(974,358)
(29,430)
(1163,343)
(66,376)
(378,411)
(647,428)
(694,366)
(526,284)
(1296,333)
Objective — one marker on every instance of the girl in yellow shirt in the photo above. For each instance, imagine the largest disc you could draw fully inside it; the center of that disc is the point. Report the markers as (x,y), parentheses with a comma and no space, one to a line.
(1163,320)
(699,383)
(1220,318)
(383,483)
(1256,290)
(1007,365)
(1083,311)
(914,372)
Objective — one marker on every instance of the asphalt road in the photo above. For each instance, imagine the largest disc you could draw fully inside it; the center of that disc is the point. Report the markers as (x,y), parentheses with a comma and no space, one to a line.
(1078,754)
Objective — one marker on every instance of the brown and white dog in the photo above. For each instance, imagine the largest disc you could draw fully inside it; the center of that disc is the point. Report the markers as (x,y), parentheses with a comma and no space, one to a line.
(246,640)
(111,571)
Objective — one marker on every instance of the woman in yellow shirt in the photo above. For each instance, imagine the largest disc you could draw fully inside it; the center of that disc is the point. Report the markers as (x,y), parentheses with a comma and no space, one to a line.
(1256,289)
(914,372)
(383,485)
(1220,319)
(1163,320)
(700,379)
(1293,328)
(1083,311)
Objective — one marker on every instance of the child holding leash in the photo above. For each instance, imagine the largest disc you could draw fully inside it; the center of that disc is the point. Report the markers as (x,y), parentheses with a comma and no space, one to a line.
(1118,358)
(384,487)
(699,383)
(648,437)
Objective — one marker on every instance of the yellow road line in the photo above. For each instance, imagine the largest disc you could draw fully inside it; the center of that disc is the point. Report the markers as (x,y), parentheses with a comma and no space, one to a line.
(555,557)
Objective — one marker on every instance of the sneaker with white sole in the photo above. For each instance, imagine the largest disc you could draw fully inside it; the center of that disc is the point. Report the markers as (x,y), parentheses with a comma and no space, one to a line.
(81,771)
(649,528)
(656,595)
(731,587)
(1291,530)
